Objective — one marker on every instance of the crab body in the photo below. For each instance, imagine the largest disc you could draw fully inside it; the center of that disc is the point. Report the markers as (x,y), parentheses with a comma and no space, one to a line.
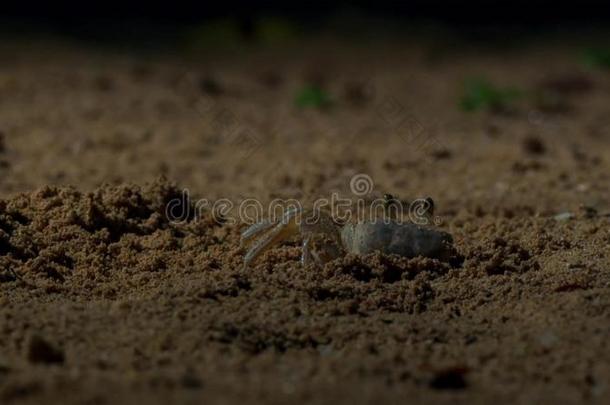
(408,240)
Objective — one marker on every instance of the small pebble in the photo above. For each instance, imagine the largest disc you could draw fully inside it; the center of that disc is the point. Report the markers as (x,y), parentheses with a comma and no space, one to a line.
(575,266)
(564,216)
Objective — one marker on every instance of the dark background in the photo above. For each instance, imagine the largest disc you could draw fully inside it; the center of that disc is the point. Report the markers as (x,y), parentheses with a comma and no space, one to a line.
(133,19)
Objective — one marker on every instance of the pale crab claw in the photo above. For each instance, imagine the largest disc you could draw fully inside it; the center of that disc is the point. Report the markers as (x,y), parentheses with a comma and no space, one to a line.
(321,239)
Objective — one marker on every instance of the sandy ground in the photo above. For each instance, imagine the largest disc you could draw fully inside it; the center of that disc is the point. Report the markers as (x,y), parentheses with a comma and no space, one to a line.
(103,299)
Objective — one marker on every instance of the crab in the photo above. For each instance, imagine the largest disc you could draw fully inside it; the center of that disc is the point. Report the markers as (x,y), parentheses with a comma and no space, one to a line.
(323,240)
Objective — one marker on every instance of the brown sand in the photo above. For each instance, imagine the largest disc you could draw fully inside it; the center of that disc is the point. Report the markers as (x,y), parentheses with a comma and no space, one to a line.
(103,300)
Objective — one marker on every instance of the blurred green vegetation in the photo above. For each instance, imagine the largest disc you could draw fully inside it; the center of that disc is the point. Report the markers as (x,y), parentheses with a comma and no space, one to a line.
(480,94)
(312,96)
(597,58)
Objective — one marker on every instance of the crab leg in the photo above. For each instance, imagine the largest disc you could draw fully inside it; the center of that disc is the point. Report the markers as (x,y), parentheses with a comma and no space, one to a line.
(270,237)
(306,254)
(271,234)
(254,230)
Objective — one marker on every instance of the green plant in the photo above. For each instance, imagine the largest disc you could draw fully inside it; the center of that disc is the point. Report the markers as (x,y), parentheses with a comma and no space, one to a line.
(312,96)
(597,58)
(479,94)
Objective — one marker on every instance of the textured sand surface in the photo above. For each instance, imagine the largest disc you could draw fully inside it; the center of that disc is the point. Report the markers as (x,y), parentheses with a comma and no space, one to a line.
(103,299)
